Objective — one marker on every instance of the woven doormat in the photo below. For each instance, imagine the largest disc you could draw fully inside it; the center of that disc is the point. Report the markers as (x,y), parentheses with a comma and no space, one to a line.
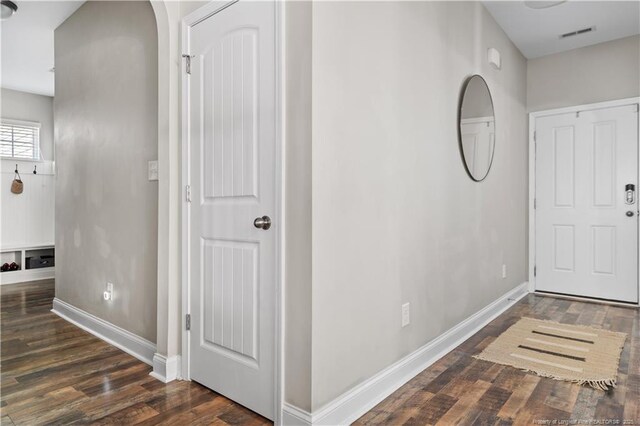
(584,355)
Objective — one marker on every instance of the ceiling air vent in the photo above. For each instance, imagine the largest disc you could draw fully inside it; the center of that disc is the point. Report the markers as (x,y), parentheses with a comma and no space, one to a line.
(578,32)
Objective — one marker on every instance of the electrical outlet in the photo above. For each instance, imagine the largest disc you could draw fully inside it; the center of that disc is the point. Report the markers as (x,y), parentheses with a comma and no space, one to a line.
(108,294)
(406,315)
(504,271)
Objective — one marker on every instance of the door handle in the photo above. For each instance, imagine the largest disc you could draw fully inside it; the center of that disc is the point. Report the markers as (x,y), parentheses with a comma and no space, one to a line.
(263,222)
(629,213)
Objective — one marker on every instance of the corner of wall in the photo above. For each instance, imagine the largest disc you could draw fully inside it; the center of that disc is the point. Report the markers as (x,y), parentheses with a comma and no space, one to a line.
(297,204)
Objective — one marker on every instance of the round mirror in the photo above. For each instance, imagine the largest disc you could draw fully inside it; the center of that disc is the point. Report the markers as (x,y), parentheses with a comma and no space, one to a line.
(476,127)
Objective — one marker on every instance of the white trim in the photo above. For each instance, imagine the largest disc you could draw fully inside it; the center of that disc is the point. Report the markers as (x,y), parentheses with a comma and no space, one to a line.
(586,107)
(27,275)
(280,140)
(122,339)
(293,416)
(189,21)
(184,206)
(25,162)
(532,196)
(201,14)
(166,369)
(22,123)
(23,247)
(585,299)
(354,403)
(473,120)
(532,183)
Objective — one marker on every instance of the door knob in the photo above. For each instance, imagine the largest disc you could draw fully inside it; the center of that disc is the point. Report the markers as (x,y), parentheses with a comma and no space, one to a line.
(629,213)
(263,222)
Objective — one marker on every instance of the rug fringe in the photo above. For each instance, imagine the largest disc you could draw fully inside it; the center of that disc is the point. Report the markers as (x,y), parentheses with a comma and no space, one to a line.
(599,384)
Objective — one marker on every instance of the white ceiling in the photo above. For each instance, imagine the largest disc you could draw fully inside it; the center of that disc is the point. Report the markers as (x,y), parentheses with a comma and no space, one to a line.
(27,44)
(536,31)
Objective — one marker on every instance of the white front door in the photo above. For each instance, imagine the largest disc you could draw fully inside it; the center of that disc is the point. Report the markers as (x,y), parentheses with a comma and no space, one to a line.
(232,262)
(586,229)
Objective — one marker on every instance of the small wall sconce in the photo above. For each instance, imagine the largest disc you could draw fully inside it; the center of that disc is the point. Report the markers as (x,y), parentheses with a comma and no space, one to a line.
(493,56)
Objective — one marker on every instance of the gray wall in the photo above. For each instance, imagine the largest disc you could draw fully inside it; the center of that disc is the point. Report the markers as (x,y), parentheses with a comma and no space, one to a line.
(31,107)
(595,73)
(106,129)
(396,219)
(297,149)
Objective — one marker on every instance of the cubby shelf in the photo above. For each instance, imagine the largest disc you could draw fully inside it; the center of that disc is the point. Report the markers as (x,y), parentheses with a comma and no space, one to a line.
(19,255)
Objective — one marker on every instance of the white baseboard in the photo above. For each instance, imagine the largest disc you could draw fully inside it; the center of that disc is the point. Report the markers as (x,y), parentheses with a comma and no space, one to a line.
(294,416)
(132,344)
(356,402)
(26,275)
(166,369)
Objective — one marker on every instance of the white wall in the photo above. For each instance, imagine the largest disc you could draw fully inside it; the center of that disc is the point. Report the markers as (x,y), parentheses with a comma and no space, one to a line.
(31,107)
(396,219)
(597,73)
(28,219)
(106,126)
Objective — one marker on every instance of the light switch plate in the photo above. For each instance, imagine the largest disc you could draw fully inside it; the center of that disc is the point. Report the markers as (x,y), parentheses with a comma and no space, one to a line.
(153,170)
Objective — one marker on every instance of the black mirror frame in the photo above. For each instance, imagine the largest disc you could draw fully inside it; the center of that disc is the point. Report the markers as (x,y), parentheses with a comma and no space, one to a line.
(461,100)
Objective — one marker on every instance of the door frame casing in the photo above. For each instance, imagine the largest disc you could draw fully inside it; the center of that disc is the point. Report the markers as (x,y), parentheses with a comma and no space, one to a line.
(188,22)
(532,183)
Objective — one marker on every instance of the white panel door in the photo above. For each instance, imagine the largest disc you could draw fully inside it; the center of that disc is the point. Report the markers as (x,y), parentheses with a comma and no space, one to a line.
(232,178)
(586,231)
(478,137)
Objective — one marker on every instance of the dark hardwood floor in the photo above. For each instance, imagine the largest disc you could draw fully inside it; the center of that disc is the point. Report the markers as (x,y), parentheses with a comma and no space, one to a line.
(459,389)
(55,373)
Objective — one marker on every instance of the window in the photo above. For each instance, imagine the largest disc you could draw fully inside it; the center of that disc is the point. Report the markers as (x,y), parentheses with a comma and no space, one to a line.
(19,139)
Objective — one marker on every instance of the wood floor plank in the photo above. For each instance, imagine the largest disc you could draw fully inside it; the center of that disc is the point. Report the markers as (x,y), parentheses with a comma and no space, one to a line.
(54,373)
(433,410)
(464,403)
(480,392)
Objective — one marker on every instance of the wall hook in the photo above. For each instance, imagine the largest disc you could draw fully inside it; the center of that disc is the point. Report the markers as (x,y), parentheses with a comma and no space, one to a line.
(35,170)
(16,168)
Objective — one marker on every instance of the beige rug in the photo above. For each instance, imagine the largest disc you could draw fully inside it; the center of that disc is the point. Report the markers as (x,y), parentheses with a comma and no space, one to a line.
(579,354)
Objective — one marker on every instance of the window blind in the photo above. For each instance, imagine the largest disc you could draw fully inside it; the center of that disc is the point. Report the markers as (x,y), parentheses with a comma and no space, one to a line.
(19,140)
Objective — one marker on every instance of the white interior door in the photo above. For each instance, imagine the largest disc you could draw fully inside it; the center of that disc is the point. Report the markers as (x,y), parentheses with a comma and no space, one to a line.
(232,178)
(478,137)
(586,230)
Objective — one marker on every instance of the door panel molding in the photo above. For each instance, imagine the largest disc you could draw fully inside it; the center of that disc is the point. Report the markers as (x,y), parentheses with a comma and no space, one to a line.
(532,183)
(247,194)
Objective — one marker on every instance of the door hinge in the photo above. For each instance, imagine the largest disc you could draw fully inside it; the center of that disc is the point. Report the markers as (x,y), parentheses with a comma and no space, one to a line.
(535,136)
(535,203)
(188,322)
(535,270)
(188,193)
(187,59)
